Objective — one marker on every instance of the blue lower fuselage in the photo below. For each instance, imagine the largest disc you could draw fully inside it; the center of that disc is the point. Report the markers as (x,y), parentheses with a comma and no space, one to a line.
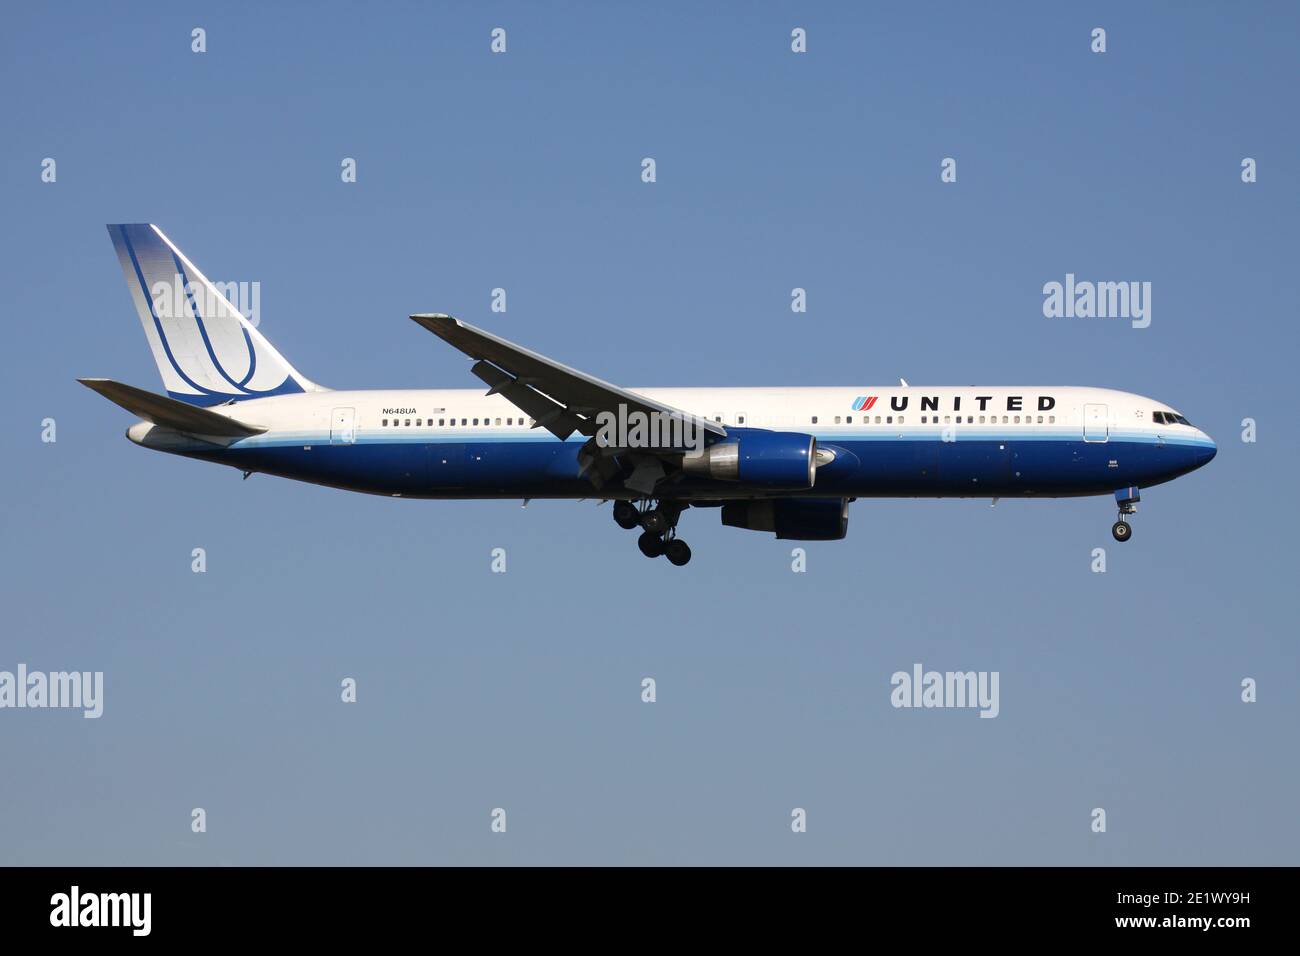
(533,466)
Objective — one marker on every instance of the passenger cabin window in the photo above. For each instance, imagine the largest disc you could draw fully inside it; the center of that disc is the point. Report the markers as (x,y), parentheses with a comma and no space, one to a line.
(814,420)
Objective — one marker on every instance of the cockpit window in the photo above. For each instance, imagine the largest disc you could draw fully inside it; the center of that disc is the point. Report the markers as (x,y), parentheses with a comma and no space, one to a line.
(1181,420)
(1169,418)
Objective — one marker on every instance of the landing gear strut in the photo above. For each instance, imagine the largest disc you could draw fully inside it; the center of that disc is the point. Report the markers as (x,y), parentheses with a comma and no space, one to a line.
(659,523)
(1127,499)
(655,520)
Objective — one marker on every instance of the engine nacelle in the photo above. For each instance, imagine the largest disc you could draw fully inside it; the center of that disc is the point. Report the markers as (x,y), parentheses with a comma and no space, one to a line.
(761,458)
(797,519)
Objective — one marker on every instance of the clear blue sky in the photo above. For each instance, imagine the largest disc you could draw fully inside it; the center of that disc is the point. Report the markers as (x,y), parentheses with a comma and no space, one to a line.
(522,691)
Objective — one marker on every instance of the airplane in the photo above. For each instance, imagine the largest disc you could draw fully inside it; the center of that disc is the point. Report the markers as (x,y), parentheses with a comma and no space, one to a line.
(782,460)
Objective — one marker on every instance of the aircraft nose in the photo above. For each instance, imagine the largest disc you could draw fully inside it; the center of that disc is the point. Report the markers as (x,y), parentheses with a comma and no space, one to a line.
(1205,453)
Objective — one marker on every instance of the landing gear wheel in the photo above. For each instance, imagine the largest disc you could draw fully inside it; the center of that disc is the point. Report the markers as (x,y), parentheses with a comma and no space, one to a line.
(654,521)
(626,515)
(677,551)
(1121,530)
(651,544)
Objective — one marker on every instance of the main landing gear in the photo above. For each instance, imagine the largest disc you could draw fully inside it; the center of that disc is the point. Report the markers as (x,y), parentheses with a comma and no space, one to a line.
(626,514)
(659,537)
(1127,499)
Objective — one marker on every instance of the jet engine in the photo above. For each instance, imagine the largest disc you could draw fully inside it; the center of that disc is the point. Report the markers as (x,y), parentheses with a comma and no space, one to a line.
(760,458)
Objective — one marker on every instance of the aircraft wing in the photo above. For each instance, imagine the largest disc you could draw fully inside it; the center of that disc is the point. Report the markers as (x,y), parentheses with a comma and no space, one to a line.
(558,398)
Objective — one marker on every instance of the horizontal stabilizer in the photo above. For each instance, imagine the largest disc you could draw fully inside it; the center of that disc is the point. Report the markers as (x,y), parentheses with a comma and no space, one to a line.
(169,412)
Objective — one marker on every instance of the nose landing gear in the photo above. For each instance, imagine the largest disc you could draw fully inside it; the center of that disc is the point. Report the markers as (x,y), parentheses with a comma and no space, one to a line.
(1127,499)
(659,537)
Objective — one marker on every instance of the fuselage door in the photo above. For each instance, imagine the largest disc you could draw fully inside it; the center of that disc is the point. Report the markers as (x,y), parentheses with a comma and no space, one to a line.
(1095,426)
(343,429)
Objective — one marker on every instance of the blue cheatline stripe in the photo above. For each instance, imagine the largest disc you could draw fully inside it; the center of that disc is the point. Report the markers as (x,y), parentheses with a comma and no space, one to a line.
(974,433)
(400,436)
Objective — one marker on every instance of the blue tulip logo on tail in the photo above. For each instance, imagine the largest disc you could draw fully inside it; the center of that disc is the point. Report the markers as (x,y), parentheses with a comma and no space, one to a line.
(206,351)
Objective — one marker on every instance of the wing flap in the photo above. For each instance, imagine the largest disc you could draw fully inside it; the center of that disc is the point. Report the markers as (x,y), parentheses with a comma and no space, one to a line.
(546,412)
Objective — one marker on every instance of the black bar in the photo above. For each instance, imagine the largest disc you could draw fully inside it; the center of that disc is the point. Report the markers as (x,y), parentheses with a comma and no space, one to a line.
(239,904)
